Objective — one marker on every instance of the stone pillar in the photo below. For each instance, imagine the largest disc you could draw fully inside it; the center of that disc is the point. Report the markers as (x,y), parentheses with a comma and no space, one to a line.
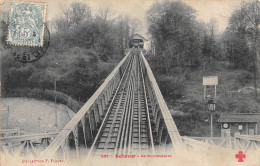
(113,86)
(45,142)
(28,147)
(76,139)
(89,136)
(96,113)
(109,91)
(108,98)
(59,153)
(157,123)
(155,105)
(160,131)
(120,72)
(100,109)
(103,105)
(66,149)
(83,121)
(156,112)
(92,121)
(105,97)
(118,78)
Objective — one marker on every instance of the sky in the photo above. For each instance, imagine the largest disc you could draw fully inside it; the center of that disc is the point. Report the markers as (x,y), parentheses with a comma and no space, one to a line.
(221,10)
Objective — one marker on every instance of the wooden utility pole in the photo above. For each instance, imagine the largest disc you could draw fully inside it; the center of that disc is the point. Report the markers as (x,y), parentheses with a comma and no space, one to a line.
(55,101)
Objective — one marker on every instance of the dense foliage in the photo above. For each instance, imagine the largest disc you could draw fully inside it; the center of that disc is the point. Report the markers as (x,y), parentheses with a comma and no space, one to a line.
(181,44)
(242,38)
(83,50)
(242,35)
(171,25)
(183,50)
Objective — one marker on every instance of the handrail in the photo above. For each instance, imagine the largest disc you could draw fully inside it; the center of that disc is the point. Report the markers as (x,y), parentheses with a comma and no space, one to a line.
(249,137)
(194,141)
(60,139)
(213,138)
(27,137)
(147,111)
(202,145)
(9,130)
(168,120)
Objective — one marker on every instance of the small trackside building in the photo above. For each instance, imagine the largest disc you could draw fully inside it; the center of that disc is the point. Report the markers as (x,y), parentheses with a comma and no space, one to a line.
(137,41)
(243,123)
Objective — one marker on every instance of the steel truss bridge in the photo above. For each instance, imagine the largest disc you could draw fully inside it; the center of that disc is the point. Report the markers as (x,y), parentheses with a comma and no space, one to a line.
(127,115)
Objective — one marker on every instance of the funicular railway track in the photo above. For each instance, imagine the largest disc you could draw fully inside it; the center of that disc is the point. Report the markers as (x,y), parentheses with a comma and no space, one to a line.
(126,127)
(127,115)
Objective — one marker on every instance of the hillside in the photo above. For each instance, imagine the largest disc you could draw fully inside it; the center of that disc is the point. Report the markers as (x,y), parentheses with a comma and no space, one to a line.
(235,93)
(184,49)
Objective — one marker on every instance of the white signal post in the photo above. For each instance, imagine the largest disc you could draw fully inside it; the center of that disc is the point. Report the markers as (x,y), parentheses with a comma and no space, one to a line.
(210,81)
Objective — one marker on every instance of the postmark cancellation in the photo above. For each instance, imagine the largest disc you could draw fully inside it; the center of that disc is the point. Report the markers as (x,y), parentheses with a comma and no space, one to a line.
(26,24)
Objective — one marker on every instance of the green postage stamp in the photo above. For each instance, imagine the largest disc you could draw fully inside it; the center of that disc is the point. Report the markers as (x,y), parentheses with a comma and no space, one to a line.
(26,24)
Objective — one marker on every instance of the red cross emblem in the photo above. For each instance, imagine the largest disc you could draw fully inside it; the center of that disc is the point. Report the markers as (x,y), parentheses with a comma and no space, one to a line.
(240,156)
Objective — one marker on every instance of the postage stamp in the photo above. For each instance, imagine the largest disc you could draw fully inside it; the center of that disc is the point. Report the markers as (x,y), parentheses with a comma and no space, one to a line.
(26,24)
(2,2)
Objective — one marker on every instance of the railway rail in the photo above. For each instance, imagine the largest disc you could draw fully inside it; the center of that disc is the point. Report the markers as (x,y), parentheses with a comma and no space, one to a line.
(126,128)
(127,115)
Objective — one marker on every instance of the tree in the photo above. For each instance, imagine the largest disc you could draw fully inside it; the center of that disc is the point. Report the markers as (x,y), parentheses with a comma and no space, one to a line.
(242,38)
(209,45)
(73,16)
(236,41)
(175,40)
(79,12)
(105,12)
(251,11)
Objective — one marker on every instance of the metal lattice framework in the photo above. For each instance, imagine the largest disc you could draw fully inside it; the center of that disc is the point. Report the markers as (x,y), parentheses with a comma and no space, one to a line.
(89,123)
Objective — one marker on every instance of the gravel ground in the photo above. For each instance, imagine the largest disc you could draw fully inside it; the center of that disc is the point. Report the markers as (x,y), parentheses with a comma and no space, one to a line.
(24,114)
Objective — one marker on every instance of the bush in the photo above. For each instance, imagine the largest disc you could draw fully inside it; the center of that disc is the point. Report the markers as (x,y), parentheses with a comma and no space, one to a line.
(170,88)
(245,78)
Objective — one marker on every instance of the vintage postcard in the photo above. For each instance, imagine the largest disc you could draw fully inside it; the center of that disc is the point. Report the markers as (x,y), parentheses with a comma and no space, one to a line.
(130,82)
